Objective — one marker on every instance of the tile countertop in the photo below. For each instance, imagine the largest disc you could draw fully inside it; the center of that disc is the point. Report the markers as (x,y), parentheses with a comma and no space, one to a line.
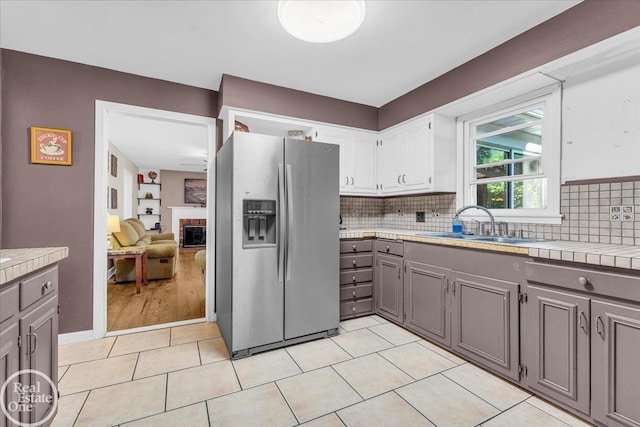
(621,256)
(27,260)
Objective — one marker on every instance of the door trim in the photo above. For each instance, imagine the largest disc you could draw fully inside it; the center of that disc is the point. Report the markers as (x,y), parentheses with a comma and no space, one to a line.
(104,109)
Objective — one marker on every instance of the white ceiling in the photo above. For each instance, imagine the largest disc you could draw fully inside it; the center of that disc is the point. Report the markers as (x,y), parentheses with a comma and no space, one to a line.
(401,45)
(159,144)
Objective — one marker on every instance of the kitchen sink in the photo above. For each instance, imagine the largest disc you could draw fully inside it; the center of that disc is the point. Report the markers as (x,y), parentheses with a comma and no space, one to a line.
(507,240)
(442,234)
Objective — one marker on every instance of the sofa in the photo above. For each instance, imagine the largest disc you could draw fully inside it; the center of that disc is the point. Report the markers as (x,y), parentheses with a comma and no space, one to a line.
(201,261)
(162,251)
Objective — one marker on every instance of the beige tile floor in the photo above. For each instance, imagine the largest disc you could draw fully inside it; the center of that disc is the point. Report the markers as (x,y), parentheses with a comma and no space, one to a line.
(373,373)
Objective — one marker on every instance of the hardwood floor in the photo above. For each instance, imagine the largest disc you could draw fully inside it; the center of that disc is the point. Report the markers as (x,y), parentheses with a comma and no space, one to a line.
(162,301)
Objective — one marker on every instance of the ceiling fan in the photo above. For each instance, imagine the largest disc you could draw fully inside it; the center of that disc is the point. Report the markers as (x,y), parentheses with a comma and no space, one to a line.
(197,164)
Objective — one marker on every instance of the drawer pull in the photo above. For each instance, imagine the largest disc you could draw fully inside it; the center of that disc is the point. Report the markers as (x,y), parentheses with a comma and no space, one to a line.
(353,309)
(353,293)
(387,247)
(583,281)
(354,263)
(354,279)
(355,248)
(46,286)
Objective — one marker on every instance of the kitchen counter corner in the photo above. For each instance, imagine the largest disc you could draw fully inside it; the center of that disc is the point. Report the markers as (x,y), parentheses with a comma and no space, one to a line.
(26,260)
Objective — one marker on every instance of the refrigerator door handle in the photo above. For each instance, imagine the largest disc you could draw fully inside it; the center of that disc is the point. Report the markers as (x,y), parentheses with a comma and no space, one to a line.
(289,222)
(281,223)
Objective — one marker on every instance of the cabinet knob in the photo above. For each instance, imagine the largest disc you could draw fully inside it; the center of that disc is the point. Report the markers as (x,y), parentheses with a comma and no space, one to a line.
(353,293)
(354,262)
(46,286)
(354,279)
(354,247)
(387,248)
(353,309)
(583,281)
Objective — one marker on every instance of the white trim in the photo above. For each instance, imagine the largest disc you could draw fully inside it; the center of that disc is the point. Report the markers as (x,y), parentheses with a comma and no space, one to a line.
(102,112)
(73,337)
(155,327)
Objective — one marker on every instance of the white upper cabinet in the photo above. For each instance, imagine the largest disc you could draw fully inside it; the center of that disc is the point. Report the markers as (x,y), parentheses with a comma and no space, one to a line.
(418,157)
(357,158)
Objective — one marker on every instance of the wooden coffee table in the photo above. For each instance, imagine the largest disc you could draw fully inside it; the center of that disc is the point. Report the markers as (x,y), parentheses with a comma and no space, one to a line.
(140,255)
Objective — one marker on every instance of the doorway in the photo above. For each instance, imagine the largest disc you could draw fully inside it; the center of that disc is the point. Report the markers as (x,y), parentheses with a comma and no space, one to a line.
(107,113)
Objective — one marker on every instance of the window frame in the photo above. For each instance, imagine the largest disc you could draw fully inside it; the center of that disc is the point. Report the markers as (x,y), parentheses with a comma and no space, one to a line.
(550,159)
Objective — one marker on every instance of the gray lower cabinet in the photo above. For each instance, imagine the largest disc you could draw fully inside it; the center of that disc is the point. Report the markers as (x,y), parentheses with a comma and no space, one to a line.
(356,278)
(557,345)
(389,287)
(485,322)
(615,363)
(426,301)
(29,339)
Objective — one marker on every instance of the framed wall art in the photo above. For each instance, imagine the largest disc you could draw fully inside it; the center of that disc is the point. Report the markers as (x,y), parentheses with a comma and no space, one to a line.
(195,191)
(50,146)
(114,198)
(114,165)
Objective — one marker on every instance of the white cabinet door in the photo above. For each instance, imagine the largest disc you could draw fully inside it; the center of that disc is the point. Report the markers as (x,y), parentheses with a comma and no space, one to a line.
(390,161)
(340,137)
(363,163)
(416,172)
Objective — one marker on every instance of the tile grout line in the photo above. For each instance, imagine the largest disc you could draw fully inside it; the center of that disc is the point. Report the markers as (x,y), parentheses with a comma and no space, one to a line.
(549,413)
(416,409)
(350,386)
(473,393)
(294,360)
(75,420)
(275,383)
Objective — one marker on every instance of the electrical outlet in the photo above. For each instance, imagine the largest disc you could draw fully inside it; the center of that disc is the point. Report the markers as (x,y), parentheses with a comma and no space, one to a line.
(420,216)
(400,212)
(435,213)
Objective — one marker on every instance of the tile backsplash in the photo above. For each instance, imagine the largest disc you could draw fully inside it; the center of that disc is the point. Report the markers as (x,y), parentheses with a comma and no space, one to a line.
(586,209)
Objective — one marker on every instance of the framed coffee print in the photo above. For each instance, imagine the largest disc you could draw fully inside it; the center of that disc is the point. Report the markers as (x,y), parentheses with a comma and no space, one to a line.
(50,146)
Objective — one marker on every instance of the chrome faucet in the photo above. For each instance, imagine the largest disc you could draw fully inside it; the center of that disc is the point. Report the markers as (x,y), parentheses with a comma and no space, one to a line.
(482,208)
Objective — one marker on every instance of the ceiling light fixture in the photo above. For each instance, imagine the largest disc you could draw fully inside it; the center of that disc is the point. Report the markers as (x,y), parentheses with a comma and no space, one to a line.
(321,21)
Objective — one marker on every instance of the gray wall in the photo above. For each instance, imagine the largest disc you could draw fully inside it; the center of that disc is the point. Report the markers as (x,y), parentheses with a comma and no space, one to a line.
(578,27)
(42,91)
(252,95)
(173,192)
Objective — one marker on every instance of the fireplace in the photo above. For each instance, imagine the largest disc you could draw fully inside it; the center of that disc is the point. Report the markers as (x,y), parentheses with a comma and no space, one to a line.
(194,236)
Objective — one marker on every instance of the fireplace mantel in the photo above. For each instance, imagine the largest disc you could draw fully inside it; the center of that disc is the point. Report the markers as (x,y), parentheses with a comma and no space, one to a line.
(184,212)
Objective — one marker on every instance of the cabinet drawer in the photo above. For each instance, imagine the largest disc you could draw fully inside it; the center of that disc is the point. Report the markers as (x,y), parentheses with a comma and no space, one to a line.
(592,281)
(356,276)
(392,248)
(356,261)
(354,246)
(352,308)
(357,291)
(38,286)
(8,302)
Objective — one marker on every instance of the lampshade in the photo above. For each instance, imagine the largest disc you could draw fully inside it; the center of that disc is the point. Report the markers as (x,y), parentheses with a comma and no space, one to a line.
(113,224)
(321,21)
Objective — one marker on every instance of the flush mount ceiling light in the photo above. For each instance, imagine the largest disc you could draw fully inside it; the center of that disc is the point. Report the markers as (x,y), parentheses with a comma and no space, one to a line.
(321,21)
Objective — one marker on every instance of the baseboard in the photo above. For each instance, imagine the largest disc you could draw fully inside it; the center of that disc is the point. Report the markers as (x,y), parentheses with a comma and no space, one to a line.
(111,272)
(73,337)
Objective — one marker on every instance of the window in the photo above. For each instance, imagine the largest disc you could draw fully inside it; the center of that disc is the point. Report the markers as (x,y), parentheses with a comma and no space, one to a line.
(512,161)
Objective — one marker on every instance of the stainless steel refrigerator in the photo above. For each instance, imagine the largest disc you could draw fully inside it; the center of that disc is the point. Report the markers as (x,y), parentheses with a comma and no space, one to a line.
(277,244)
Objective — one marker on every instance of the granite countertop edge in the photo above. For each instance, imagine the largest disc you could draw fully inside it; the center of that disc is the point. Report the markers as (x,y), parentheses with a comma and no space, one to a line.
(602,254)
(27,260)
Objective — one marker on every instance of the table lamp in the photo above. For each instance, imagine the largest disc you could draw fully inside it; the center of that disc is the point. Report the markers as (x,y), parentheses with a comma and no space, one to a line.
(113,226)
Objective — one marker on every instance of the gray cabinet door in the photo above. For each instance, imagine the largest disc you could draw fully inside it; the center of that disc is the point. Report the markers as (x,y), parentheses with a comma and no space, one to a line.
(557,346)
(485,324)
(427,307)
(39,334)
(615,357)
(9,364)
(389,287)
